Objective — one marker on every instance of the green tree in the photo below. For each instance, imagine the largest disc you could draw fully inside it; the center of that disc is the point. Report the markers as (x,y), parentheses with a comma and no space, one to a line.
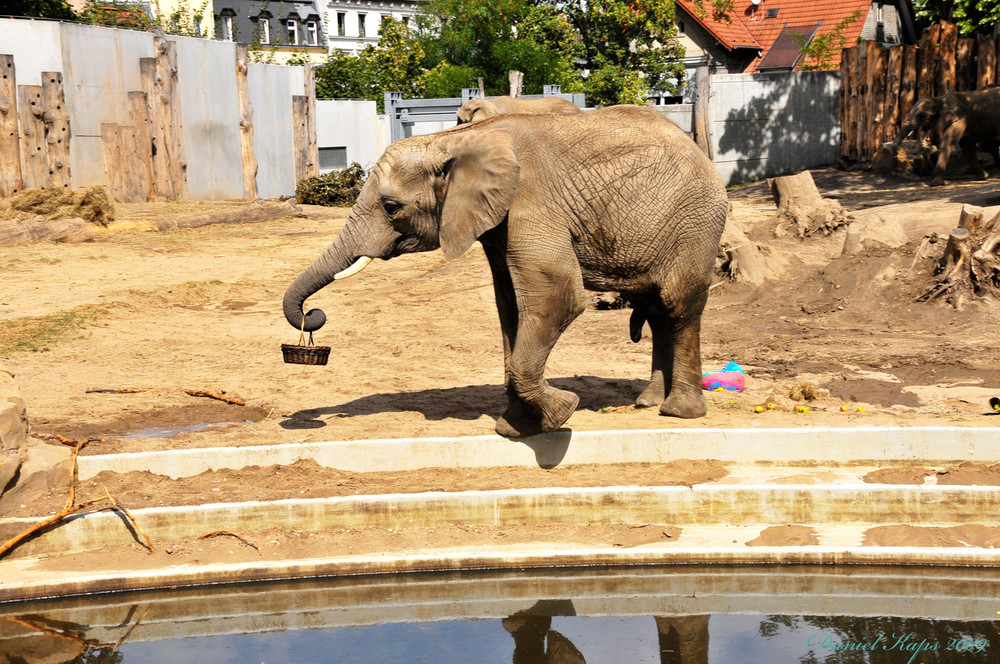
(970,16)
(467,39)
(629,47)
(39,8)
(819,53)
(394,65)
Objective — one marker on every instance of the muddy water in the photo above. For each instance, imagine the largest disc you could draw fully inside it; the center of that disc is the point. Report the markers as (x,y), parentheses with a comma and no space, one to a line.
(674,615)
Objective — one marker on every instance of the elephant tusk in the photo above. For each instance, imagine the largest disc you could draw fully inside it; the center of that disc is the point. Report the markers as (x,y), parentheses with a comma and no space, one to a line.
(359,265)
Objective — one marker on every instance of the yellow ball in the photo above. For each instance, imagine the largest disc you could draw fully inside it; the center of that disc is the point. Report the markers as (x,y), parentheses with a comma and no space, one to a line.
(771,406)
(758,409)
(861,409)
(843,409)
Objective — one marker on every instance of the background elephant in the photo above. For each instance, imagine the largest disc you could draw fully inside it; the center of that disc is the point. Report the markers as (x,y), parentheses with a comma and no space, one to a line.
(614,199)
(964,119)
(477,110)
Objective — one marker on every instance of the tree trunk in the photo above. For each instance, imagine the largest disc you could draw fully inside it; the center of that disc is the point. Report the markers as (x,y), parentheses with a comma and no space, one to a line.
(800,205)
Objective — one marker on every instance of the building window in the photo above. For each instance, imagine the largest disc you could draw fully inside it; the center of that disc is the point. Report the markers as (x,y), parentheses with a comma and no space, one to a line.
(341,23)
(175,23)
(361,24)
(406,21)
(293,31)
(226,30)
(198,26)
(332,159)
(312,33)
(264,27)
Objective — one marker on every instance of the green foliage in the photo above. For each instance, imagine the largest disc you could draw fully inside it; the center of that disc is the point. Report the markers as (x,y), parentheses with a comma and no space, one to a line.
(392,66)
(623,40)
(39,8)
(335,189)
(819,53)
(491,37)
(971,16)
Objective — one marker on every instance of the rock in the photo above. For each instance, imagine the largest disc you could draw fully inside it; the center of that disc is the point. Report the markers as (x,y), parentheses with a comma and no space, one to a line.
(35,465)
(872,232)
(44,467)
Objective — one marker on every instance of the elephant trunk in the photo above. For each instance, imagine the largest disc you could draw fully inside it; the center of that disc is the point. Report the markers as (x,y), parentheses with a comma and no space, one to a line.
(340,260)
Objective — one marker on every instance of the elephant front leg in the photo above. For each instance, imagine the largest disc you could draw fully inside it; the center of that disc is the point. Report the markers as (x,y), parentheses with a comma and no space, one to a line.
(534,405)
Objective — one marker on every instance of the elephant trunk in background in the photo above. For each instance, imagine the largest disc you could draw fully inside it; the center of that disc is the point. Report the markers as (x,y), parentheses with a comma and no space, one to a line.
(344,257)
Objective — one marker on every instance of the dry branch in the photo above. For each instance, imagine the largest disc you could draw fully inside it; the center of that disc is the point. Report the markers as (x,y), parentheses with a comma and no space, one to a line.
(71,509)
(216,533)
(215,395)
(118,390)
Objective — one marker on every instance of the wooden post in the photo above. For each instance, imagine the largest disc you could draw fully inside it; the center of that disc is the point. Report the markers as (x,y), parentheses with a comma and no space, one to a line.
(927,57)
(57,132)
(986,61)
(114,165)
(516,80)
(311,146)
(702,105)
(878,64)
(945,67)
(845,86)
(159,82)
(141,148)
(35,169)
(300,108)
(861,75)
(894,84)
(482,88)
(246,124)
(965,63)
(10,146)
(908,81)
(160,174)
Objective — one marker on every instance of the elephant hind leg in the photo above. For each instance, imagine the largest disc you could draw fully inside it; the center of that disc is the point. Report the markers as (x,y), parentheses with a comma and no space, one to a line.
(675,378)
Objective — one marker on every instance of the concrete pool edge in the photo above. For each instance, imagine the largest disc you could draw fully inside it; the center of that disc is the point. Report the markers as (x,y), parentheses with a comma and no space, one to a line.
(802,445)
(38,584)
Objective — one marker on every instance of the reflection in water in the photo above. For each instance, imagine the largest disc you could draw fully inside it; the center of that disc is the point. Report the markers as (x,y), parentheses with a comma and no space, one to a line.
(639,616)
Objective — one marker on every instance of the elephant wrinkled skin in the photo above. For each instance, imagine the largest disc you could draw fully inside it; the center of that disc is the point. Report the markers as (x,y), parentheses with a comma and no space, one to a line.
(962,119)
(477,110)
(614,199)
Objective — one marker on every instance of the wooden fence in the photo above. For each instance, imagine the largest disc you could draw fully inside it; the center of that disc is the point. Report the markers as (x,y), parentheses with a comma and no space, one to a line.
(144,159)
(879,85)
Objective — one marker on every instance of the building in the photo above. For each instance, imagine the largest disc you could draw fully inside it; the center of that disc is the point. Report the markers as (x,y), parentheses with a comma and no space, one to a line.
(353,24)
(278,30)
(761,34)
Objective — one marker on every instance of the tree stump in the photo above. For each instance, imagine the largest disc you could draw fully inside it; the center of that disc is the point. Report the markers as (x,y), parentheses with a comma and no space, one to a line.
(969,267)
(801,206)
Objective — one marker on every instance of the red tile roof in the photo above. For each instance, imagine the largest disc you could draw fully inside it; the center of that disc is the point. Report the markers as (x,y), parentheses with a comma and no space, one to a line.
(760,25)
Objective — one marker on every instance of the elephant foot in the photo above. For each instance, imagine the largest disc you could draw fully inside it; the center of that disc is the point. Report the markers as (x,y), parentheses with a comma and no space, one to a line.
(653,395)
(519,420)
(686,405)
(982,175)
(522,419)
(937,181)
(557,408)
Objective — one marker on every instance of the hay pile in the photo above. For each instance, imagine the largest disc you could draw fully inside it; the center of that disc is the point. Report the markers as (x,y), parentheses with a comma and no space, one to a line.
(92,204)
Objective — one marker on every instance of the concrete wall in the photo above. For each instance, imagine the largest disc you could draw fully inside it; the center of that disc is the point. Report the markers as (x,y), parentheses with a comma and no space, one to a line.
(354,125)
(100,66)
(764,125)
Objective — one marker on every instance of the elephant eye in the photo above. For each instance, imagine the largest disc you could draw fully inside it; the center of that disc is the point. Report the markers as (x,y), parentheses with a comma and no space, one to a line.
(391,207)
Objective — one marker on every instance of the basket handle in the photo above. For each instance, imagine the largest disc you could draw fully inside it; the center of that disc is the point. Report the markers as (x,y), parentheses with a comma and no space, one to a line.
(302,333)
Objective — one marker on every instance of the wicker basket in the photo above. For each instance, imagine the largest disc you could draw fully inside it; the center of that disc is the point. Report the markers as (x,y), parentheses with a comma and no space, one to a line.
(305,354)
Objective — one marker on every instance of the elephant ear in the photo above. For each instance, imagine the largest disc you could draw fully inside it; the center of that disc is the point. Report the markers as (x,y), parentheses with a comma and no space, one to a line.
(481,173)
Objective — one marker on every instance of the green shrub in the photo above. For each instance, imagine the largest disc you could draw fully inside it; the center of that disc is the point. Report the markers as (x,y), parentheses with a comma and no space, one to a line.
(335,189)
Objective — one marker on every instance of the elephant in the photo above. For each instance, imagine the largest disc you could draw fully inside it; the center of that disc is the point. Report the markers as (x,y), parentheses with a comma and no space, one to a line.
(477,110)
(964,119)
(616,199)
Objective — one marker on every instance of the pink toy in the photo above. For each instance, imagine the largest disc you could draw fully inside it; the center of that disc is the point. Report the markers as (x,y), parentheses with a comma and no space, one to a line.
(731,377)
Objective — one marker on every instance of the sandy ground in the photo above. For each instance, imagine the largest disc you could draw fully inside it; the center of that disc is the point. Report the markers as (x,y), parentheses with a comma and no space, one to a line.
(416,348)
